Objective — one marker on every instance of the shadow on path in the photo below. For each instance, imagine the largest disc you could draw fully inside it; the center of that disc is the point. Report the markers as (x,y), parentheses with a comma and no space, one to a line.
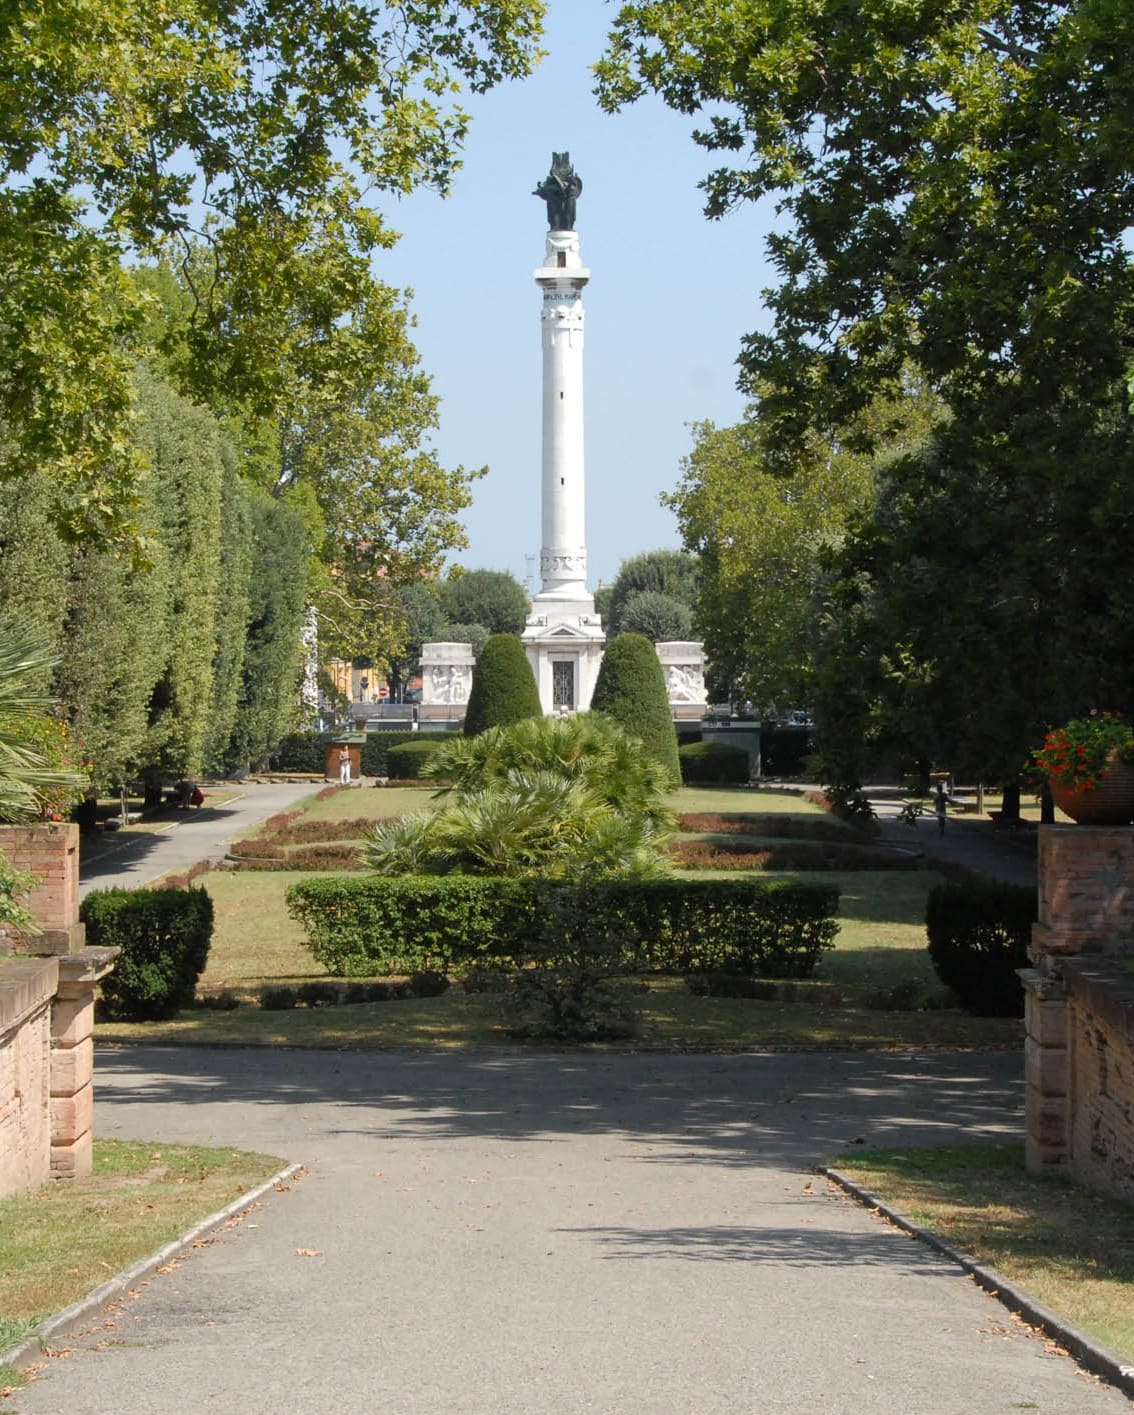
(759,1108)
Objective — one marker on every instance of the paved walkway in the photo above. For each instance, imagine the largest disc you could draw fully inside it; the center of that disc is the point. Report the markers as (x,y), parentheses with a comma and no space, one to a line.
(533,1232)
(130,859)
(504,1233)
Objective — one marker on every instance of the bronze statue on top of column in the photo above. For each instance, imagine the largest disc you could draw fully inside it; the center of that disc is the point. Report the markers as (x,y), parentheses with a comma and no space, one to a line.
(559,189)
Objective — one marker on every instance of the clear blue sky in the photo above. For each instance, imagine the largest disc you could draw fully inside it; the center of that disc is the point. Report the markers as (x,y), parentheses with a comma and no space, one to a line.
(671,294)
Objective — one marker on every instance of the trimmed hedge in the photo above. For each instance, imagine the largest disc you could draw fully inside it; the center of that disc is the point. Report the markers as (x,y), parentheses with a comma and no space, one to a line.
(306,751)
(979,932)
(503,687)
(630,688)
(359,928)
(405,761)
(713,763)
(164,935)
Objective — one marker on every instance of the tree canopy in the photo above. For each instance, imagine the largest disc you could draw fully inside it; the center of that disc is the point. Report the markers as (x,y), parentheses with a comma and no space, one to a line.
(672,573)
(248,144)
(493,598)
(952,182)
(953,190)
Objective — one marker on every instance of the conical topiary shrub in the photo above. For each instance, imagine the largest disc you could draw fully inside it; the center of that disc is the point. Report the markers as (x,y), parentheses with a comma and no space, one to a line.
(503,687)
(631,690)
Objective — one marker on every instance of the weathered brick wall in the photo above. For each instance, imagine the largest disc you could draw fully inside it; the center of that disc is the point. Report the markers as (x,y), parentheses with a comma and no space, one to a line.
(47,1019)
(1086,889)
(1079,1057)
(1100,1034)
(51,851)
(27,986)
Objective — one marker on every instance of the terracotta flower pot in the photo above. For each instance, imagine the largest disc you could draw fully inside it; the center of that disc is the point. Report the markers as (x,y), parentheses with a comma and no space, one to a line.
(1111,802)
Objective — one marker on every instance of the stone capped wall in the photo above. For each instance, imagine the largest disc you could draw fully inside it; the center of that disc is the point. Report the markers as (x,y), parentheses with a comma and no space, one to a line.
(1100,1036)
(47,1018)
(27,986)
(1079,1053)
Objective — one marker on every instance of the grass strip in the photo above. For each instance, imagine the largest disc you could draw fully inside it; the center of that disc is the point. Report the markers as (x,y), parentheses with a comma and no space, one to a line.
(62,1241)
(1073,1251)
(670,1016)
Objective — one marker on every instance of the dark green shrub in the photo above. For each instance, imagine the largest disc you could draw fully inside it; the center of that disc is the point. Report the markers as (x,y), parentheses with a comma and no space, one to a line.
(405,761)
(979,932)
(713,764)
(630,689)
(307,751)
(428,982)
(503,687)
(301,751)
(569,1004)
(377,747)
(164,935)
(279,999)
(362,927)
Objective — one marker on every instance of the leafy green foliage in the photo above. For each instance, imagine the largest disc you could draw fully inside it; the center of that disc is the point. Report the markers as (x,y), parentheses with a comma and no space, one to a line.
(493,598)
(656,616)
(964,212)
(269,695)
(558,798)
(979,933)
(760,539)
(14,885)
(307,751)
(164,935)
(409,761)
(713,763)
(910,606)
(631,691)
(34,761)
(671,573)
(503,687)
(361,927)
(953,190)
(120,123)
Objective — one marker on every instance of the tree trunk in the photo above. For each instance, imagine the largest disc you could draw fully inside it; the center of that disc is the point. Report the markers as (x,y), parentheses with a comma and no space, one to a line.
(1010,806)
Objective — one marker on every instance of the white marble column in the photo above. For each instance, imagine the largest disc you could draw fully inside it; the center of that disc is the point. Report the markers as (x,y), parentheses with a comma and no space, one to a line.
(563,555)
(564,635)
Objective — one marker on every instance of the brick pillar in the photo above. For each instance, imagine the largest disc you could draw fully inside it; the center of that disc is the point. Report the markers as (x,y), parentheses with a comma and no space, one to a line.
(1086,906)
(72,1060)
(50,850)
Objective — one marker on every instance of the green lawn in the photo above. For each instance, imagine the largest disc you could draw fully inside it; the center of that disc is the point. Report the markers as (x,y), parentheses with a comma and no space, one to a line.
(745,800)
(880,946)
(60,1242)
(1070,1249)
(671,1018)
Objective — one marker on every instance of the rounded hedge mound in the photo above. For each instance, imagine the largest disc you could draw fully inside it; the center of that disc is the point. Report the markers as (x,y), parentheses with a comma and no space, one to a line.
(503,687)
(631,690)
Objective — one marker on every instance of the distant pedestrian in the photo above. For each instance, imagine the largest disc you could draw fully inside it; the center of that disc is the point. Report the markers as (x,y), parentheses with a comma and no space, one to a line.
(344,765)
(940,806)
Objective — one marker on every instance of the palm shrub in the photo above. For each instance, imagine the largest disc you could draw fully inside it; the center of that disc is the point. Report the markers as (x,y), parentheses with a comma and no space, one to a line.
(631,691)
(32,769)
(503,686)
(561,798)
(29,777)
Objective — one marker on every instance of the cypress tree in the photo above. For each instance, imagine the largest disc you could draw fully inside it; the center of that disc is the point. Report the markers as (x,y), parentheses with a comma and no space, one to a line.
(503,687)
(631,690)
